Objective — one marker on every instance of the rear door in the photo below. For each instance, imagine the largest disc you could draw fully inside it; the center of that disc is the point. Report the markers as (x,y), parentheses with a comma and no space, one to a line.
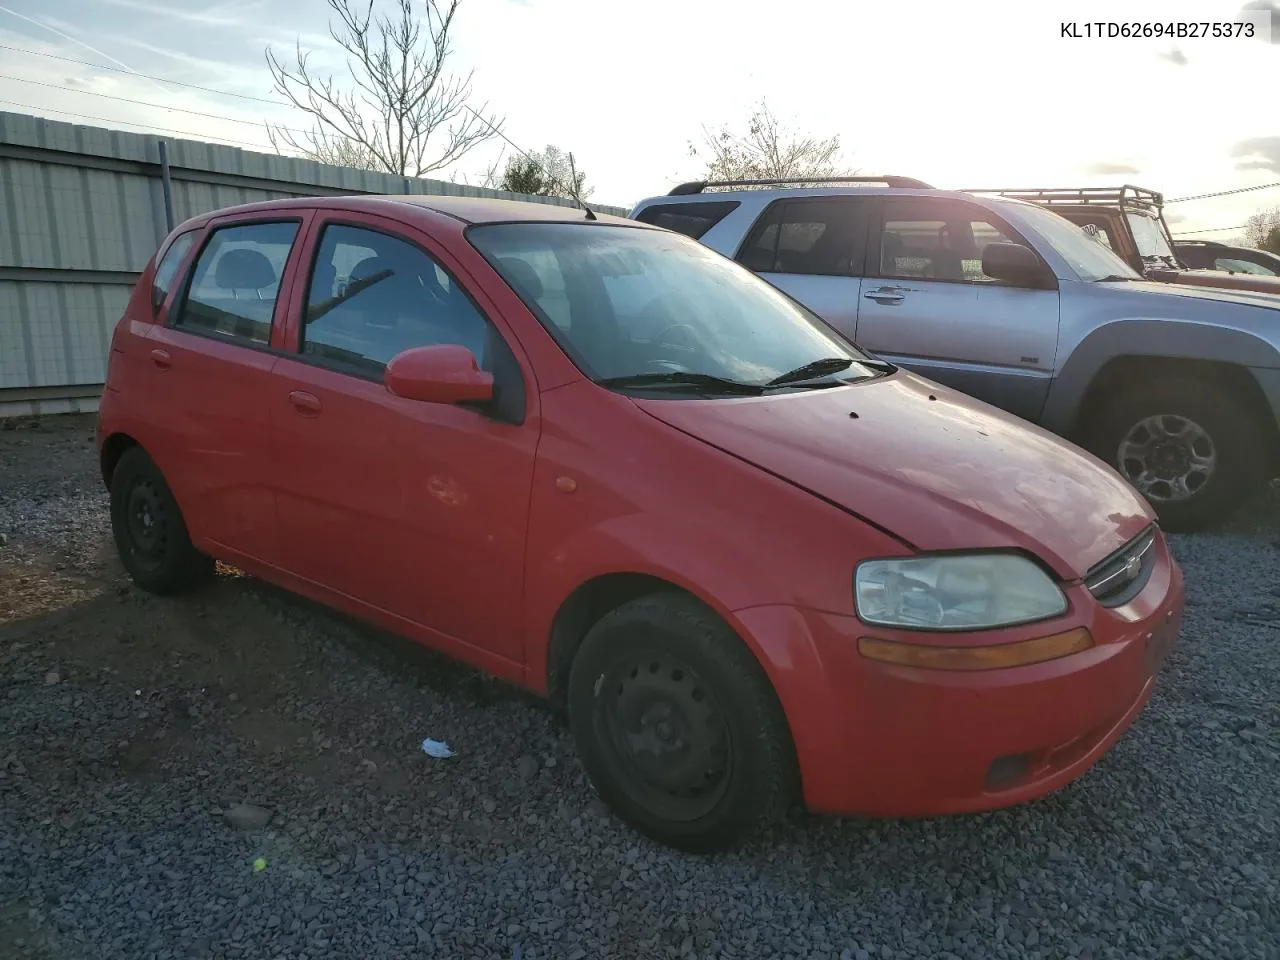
(813,248)
(210,361)
(927,305)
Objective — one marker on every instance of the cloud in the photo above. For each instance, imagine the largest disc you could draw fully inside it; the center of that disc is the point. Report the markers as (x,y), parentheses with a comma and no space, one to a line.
(1269,6)
(1106,168)
(231,15)
(1260,153)
(1176,57)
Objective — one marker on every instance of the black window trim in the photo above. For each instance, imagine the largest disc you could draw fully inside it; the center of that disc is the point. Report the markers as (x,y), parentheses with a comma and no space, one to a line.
(319,227)
(174,318)
(876,239)
(763,221)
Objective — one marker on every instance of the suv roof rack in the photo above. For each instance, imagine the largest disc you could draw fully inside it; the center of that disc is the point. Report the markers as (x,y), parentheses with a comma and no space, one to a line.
(698,186)
(1109,196)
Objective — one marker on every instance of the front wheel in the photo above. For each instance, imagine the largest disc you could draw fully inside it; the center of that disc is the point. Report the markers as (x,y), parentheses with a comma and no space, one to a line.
(1193,448)
(677,725)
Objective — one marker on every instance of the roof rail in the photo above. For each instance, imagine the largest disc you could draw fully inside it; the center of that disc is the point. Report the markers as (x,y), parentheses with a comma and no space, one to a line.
(698,186)
(1080,195)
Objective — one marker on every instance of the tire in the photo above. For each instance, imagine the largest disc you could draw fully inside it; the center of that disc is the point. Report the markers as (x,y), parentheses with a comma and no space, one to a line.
(677,726)
(1223,425)
(151,536)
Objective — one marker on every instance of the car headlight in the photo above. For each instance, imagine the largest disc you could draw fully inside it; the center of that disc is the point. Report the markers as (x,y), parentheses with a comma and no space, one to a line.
(974,592)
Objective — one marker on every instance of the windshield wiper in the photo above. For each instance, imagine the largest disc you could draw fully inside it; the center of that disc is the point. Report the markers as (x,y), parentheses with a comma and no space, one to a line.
(686,380)
(817,368)
(1113,278)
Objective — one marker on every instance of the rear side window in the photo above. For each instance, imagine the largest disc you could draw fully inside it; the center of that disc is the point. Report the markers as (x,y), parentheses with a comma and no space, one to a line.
(691,219)
(236,281)
(167,269)
(820,236)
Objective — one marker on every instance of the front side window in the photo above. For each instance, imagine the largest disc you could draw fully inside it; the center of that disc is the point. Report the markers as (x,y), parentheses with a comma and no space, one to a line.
(629,302)
(813,237)
(936,240)
(236,280)
(167,269)
(373,296)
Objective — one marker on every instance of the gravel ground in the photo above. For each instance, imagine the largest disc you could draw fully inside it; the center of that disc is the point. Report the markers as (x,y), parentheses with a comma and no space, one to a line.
(133,731)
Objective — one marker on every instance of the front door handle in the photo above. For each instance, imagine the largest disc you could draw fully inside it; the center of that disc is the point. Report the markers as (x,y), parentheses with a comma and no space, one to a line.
(307,404)
(161,358)
(884,295)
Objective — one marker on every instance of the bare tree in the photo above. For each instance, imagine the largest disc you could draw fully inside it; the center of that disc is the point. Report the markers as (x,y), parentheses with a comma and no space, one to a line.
(768,150)
(398,111)
(549,173)
(1262,230)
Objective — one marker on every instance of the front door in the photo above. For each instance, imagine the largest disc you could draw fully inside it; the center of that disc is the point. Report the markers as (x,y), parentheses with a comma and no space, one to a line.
(927,305)
(416,509)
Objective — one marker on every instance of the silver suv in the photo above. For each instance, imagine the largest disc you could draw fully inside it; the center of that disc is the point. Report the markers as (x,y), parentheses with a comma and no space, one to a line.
(1177,387)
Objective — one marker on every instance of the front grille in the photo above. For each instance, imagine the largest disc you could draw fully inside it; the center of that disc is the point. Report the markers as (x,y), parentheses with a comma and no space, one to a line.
(1121,576)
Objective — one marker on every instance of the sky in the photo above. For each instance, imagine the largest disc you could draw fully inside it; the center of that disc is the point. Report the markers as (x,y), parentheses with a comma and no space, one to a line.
(977,94)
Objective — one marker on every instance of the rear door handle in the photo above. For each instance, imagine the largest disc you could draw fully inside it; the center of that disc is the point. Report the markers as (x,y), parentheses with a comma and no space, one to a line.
(307,404)
(161,358)
(884,296)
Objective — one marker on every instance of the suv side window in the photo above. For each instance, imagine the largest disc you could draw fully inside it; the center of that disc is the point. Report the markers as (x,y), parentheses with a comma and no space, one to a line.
(820,236)
(928,239)
(691,219)
(167,269)
(235,282)
(373,296)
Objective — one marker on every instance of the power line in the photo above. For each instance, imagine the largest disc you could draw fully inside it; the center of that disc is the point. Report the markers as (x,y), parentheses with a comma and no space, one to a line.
(144,76)
(1225,193)
(145,126)
(1187,233)
(142,103)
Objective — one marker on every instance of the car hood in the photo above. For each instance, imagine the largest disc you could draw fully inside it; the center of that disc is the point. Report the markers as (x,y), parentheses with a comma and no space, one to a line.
(1220,280)
(1197,291)
(950,473)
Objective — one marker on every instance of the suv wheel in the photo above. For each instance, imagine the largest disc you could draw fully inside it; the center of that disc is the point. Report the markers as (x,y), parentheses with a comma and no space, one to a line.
(151,536)
(677,725)
(1191,447)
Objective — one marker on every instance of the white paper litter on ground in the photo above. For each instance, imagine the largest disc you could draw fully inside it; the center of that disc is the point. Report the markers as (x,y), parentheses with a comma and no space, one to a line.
(436,748)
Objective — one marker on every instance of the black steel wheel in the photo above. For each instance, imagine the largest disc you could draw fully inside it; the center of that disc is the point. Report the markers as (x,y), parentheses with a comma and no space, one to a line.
(150,533)
(677,725)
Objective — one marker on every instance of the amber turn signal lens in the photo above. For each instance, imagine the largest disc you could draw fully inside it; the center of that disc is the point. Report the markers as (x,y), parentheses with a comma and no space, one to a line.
(995,657)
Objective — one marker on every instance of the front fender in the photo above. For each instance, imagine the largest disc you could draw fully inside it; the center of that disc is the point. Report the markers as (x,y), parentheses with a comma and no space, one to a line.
(1171,339)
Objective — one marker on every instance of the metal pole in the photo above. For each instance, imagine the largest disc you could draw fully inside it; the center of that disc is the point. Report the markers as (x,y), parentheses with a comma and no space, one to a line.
(167,184)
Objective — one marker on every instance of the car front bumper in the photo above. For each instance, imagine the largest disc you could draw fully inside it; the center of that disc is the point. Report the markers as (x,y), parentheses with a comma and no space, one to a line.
(879,739)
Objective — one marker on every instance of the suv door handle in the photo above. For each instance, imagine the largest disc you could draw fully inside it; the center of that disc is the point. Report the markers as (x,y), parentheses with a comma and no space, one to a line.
(307,404)
(161,358)
(884,295)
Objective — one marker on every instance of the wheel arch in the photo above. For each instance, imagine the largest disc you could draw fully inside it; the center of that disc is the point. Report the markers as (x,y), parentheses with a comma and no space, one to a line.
(113,448)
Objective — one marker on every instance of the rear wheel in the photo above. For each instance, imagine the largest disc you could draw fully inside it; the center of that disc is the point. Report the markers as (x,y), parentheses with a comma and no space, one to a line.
(151,536)
(677,726)
(1193,448)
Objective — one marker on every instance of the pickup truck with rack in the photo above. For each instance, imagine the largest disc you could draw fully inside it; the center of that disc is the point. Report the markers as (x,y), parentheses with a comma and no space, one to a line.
(1175,385)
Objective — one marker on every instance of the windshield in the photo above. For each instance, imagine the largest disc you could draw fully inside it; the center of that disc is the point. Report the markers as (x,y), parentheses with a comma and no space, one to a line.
(1149,235)
(625,302)
(1085,255)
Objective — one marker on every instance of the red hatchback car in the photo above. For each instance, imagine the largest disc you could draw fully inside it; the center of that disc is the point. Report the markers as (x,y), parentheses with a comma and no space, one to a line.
(599,460)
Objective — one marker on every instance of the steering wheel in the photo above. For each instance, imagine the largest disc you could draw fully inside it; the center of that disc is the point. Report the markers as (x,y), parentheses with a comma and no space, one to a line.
(691,340)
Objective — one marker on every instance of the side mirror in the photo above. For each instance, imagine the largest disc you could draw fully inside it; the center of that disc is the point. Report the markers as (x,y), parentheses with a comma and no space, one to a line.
(443,373)
(1015,264)
(157,298)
